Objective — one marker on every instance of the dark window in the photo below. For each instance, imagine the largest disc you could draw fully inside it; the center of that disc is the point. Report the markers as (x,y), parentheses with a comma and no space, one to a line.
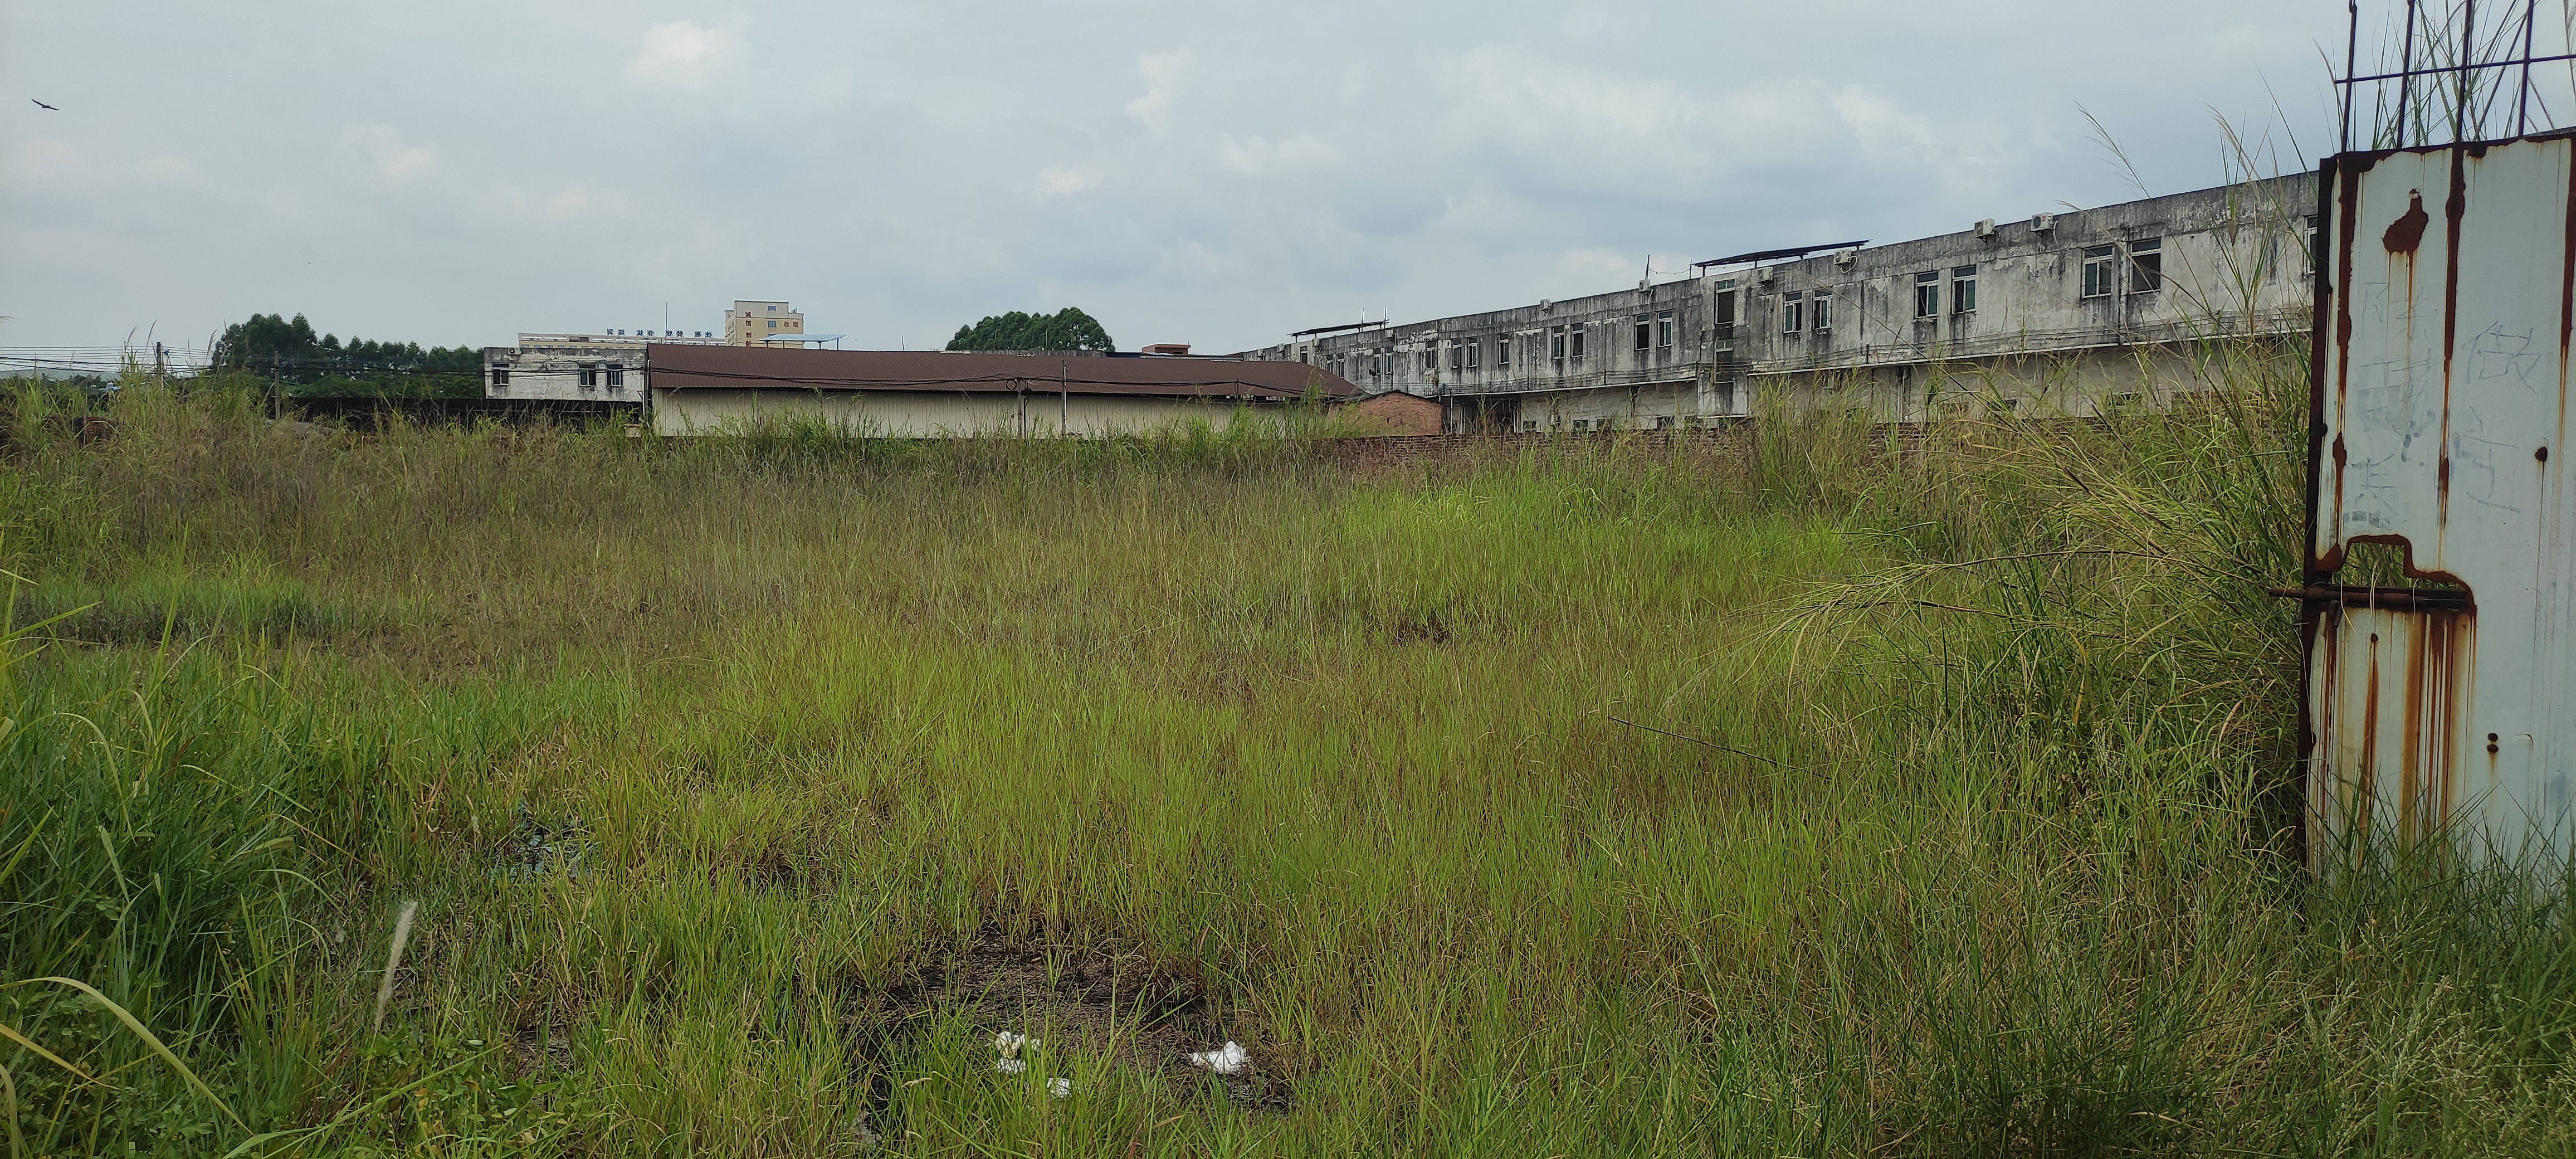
(2097,270)
(617,376)
(1664,329)
(1475,353)
(1430,359)
(1927,294)
(1457,355)
(500,376)
(1725,321)
(1963,290)
(1503,352)
(589,377)
(1822,307)
(1556,344)
(2146,265)
(1645,334)
(2316,245)
(1793,312)
(1578,342)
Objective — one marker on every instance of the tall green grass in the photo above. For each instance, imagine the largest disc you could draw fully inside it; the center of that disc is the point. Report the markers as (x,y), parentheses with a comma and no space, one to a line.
(1602,798)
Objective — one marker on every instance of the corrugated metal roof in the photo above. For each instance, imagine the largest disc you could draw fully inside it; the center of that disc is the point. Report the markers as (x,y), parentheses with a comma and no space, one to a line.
(750,368)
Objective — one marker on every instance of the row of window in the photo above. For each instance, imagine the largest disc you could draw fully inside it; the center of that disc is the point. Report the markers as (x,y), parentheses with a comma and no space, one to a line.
(1813,311)
(589,376)
(1564,344)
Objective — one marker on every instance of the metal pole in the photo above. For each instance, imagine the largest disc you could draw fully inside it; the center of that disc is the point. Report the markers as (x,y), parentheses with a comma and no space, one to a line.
(2468,51)
(2351,69)
(2522,99)
(2405,82)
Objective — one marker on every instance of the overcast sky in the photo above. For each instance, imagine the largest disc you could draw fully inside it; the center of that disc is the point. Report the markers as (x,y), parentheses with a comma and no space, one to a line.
(1213,173)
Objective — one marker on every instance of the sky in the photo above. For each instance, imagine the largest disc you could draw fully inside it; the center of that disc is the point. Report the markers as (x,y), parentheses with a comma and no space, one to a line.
(1216,173)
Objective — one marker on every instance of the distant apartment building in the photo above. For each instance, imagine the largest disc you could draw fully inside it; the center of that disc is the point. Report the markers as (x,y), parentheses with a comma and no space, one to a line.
(752,323)
(2059,309)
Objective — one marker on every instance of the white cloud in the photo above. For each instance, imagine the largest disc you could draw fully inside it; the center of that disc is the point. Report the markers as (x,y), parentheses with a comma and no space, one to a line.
(384,149)
(1164,73)
(1064,181)
(684,54)
(1262,157)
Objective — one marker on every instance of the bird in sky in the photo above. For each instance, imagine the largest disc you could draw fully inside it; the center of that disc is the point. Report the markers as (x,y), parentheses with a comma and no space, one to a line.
(43,105)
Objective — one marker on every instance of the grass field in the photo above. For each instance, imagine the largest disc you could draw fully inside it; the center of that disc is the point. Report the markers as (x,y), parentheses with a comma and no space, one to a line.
(1616,798)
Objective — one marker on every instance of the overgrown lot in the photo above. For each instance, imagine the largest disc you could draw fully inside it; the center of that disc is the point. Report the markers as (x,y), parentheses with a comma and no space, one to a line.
(1763,795)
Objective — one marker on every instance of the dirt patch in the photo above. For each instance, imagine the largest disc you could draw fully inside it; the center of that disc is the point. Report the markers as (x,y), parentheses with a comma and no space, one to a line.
(1148,1015)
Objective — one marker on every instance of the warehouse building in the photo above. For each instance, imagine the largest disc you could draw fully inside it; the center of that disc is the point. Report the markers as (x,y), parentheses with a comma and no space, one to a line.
(2060,309)
(709,389)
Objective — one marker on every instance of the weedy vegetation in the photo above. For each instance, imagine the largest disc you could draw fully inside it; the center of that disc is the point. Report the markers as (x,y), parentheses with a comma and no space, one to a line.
(1780,793)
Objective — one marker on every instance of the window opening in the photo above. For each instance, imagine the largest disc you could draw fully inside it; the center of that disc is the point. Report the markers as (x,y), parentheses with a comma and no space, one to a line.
(617,376)
(501,376)
(1664,329)
(1578,342)
(2146,265)
(1822,309)
(589,377)
(2097,270)
(1556,344)
(1457,355)
(1645,335)
(1793,307)
(1963,290)
(1475,353)
(1927,294)
(1503,353)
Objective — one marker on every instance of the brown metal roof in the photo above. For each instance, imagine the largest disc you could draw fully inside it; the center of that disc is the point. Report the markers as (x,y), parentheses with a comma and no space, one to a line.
(750,368)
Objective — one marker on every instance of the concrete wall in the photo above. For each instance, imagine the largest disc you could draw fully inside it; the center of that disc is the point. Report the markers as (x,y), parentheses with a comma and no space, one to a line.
(2233,260)
(554,371)
(941,415)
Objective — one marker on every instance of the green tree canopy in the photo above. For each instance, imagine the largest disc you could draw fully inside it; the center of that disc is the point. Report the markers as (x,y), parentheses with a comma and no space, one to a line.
(1066,329)
(271,342)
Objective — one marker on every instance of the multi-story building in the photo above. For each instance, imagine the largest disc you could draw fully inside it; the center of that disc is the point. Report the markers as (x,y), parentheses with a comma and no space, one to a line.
(752,323)
(607,366)
(2060,309)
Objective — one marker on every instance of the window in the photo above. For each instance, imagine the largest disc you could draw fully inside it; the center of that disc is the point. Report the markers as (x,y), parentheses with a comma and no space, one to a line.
(2316,245)
(1556,344)
(1430,359)
(1822,308)
(1475,353)
(1503,353)
(2097,270)
(2146,265)
(1725,321)
(773,309)
(1645,335)
(1793,311)
(1578,342)
(1664,329)
(500,376)
(773,323)
(616,376)
(589,377)
(1927,294)
(1963,290)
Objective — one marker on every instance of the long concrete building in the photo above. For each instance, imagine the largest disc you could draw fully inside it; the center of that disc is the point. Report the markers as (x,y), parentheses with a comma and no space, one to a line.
(2059,309)
(715,389)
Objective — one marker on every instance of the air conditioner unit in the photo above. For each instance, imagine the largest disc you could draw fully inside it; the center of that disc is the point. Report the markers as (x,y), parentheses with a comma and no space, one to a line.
(2043,222)
(1763,275)
(1986,228)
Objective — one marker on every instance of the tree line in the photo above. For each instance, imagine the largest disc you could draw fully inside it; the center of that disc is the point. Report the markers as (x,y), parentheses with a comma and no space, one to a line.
(271,345)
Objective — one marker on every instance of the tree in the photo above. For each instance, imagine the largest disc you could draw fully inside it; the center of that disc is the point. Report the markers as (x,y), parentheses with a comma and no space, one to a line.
(270,344)
(1066,329)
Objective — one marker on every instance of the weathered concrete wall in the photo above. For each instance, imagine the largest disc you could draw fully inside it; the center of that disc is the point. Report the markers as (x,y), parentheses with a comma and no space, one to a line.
(556,371)
(941,415)
(2230,260)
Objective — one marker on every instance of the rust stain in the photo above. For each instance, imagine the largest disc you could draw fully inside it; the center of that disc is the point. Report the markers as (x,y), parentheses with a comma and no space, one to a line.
(2407,232)
(2454,208)
(2367,776)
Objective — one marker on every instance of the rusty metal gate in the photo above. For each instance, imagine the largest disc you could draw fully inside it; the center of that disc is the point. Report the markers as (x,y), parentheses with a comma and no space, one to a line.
(2440,705)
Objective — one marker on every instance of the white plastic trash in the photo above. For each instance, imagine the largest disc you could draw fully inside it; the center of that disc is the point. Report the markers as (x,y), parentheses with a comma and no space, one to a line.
(1228,1059)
